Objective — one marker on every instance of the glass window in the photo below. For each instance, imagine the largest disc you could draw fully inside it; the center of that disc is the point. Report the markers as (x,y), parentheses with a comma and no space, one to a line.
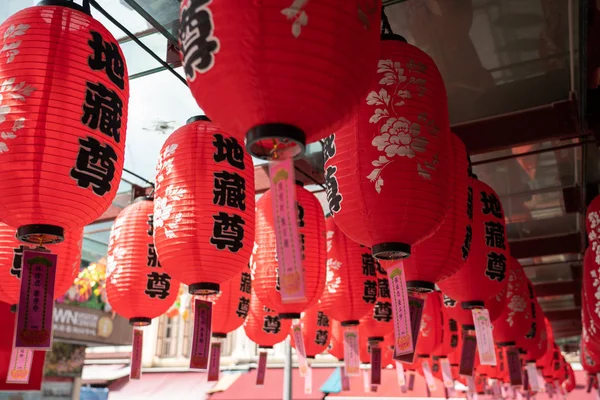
(188,333)
(166,345)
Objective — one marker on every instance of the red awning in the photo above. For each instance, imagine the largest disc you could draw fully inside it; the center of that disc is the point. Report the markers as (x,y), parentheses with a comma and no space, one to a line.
(245,387)
(161,385)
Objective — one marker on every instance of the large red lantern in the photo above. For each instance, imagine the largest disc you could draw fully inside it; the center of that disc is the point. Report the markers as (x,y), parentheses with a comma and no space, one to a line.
(137,286)
(377,323)
(311,222)
(231,305)
(351,285)
(450,333)
(316,330)
(11,252)
(204,206)
(307,65)
(263,326)
(430,334)
(445,252)
(485,273)
(336,347)
(591,284)
(63,114)
(387,170)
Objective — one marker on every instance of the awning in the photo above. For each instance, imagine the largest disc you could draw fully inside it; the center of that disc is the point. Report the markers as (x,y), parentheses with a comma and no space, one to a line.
(161,386)
(99,374)
(244,388)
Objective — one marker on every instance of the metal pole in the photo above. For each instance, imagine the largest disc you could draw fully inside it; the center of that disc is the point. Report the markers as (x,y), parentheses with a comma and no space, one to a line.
(287,371)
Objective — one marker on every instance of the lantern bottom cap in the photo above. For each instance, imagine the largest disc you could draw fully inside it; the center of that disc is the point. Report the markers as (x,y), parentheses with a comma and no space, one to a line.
(265,347)
(376,339)
(275,141)
(41,234)
(350,323)
(289,315)
(140,321)
(218,335)
(506,344)
(468,327)
(310,357)
(420,286)
(391,251)
(204,288)
(471,305)
(423,355)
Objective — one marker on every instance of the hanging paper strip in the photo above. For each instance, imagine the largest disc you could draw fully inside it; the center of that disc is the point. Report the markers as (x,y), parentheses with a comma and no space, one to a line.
(514,366)
(532,377)
(447,373)
(416,306)
(400,374)
(403,343)
(136,354)
(375,365)
(411,382)
(428,375)
(366,383)
(345,379)
(541,380)
(351,351)
(20,366)
(467,357)
(300,349)
(262,368)
(215,362)
(36,300)
(496,389)
(308,381)
(202,331)
(471,384)
(285,217)
(485,339)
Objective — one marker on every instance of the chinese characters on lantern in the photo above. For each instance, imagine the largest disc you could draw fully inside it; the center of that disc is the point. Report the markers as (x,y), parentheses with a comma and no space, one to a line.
(271,324)
(494,236)
(466,247)
(382,311)
(102,111)
(158,283)
(334,197)
(322,335)
(244,301)
(198,44)
(17,261)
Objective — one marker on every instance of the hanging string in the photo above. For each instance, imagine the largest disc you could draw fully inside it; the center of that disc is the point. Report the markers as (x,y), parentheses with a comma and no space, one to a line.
(385,23)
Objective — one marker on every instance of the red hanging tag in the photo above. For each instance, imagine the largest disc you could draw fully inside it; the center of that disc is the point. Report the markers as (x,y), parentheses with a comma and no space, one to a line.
(33,329)
(467,357)
(289,248)
(375,365)
(215,362)
(411,382)
(202,331)
(351,352)
(308,381)
(300,349)
(485,339)
(345,379)
(514,366)
(403,340)
(20,366)
(532,377)
(262,368)
(416,306)
(136,354)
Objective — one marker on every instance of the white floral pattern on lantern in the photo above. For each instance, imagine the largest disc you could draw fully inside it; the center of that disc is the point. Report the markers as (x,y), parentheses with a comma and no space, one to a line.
(425,328)
(329,236)
(163,206)
(594,234)
(333,280)
(399,136)
(10,44)
(295,13)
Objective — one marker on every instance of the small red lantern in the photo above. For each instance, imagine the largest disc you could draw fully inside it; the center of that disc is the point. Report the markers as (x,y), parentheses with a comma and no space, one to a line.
(63,117)
(137,286)
(11,252)
(378,322)
(450,334)
(336,347)
(430,335)
(464,316)
(351,285)
(486,272)
(312,231)
(536,341)
(444,253)
(231,304)
(307,65)
(263,326)
(387,170)
(316,330)
(204,206)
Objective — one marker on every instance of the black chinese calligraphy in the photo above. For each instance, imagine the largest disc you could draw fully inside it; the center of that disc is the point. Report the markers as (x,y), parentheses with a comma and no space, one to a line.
(243,307)
(466,247)
(470,203)
(150,223)
(382,311)
(152,256)
(17,261)
(321,337)
(228,232)
(300,215)
(491,205)
(328,147)
(448,302)
(496,266)
(494,235)
(322,319)
(229,189)
(246,283)
(368,265)
(103,110)
(95,166)
(271,324)
(196,37)
(158,285)
(228,149)
(107,57)
(383,288)
(334,197)
(370,291)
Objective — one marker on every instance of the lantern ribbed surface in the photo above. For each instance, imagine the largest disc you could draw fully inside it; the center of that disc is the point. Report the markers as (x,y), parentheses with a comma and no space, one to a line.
(445,252)
(312,230)
(336,347)
(536,340)
(305,63)
(204,206)
(63,115)
(232,304)
(377,323)
(430,332)
(11,251)
(351,285)
(137,286)
(387,170)
(486,271)
(316,330)
(263,325)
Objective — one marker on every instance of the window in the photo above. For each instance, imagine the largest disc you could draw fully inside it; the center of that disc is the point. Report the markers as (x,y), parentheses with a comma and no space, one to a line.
(188,333)
(166,345)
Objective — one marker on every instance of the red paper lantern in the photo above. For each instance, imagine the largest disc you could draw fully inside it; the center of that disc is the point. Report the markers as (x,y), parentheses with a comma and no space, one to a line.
(204,206)
(312,231)
(351,285)
(387,170)
(63,116)
(591,286)
(592,224)
(378,322)
(11,251)
(486,272)
(316,330)
(231,304)
(430,335)
(137,286)
(444,253)
(496,305)
(307,65)
(336,347)
(450,333)
(546,362)
(263,326)
(536,340)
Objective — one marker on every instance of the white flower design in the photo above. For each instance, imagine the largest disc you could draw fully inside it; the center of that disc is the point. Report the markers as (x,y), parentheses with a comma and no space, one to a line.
(425,328)
(297,15)
(163,206)
(400,138)
(329,236)
(9,48)
(333,280)
(17,92)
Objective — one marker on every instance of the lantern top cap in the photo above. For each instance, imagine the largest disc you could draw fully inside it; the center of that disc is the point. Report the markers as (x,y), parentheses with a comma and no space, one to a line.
(197,118)
(69,4)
